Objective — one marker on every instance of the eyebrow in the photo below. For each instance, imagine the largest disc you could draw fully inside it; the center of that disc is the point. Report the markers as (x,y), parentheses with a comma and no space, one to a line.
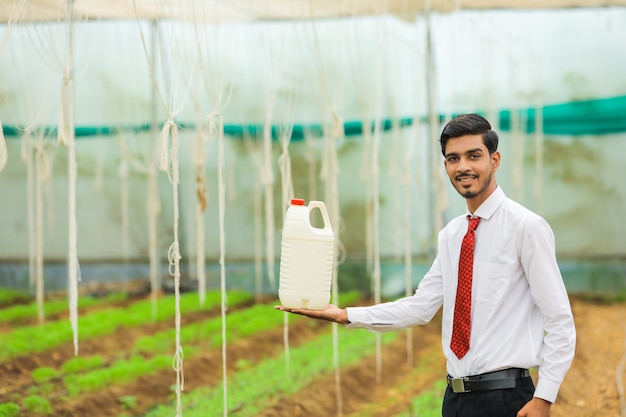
(469,151)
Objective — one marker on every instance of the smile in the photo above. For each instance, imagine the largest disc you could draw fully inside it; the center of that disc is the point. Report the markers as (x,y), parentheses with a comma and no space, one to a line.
(466,178)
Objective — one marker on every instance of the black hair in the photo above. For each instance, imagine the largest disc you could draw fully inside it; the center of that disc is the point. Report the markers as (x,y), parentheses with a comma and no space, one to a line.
(469,124)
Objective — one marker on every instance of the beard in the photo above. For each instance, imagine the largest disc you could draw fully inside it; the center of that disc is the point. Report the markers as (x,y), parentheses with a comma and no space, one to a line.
(471,194)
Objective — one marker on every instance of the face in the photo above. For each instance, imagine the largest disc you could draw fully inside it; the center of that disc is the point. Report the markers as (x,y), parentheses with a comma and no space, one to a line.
(471,169)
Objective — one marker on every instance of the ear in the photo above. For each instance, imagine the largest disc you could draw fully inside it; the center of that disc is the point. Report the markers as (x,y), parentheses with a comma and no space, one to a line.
(495,160)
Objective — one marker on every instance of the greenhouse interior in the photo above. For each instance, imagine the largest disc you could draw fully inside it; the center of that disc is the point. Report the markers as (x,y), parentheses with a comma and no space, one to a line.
(150,151)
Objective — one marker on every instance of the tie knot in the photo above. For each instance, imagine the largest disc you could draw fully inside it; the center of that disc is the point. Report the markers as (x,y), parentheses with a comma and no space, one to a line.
(472,223)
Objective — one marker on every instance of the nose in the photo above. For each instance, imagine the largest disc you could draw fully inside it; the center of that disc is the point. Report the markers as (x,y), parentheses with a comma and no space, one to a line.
(463,164)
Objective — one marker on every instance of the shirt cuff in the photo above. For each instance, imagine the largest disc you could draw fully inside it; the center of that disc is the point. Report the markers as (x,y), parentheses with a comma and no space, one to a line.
(355,315)
(547,390)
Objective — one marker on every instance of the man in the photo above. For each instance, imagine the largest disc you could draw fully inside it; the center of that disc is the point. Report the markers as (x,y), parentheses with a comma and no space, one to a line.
(505,307)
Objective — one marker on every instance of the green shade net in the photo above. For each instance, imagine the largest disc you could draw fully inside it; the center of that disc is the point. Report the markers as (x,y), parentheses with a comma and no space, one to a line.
(584,117)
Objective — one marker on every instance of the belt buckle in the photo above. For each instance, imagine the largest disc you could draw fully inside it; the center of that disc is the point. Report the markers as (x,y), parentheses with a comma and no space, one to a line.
(458,385)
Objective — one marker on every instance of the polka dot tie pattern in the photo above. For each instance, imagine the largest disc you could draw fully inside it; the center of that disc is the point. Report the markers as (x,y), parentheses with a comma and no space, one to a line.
(460,343)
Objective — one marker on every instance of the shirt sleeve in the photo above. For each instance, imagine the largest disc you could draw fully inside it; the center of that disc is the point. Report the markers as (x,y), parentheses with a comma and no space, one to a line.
(404,312)
(548,291)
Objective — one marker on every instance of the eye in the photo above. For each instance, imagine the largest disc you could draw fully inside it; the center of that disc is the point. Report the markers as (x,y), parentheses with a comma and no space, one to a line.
(475,156)
(452,158)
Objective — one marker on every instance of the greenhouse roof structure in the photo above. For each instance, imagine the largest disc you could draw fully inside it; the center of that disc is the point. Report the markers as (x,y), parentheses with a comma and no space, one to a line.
(250,10)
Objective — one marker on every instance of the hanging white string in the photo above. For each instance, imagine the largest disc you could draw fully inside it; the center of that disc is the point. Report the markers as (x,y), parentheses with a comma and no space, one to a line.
(27,156)
(539,143)
(395,173)
(153,210)
(407,163)
(169,162)
(216,125)
(267,173)
(376,273)
(123,172)
(254,153)
(332,197)
(284,163)
(311,157)
(267,179)
(215,83)
(35,218)
(17,13)
(42,174)
(201,204)
(66,137)
(517,153)
(287,191)
(371,102)
(329,173)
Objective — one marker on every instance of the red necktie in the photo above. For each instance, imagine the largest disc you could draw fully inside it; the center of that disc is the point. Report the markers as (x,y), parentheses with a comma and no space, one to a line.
(460,343)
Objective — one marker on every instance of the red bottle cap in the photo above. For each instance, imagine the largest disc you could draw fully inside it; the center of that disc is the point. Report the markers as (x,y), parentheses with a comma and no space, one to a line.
(297,202)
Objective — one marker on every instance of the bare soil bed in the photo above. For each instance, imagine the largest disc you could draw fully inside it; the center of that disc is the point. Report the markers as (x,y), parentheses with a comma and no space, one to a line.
(379,385)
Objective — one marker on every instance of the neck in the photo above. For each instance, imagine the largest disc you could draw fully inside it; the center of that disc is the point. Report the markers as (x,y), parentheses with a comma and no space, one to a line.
(475,202)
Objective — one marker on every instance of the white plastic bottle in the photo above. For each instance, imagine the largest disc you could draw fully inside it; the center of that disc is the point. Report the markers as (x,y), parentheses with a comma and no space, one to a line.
(306,258)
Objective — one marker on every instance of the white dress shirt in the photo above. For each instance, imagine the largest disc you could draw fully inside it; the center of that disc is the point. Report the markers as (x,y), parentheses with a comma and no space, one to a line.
(521,315)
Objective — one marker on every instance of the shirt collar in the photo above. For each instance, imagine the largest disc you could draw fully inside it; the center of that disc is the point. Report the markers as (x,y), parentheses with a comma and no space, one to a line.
(489,206)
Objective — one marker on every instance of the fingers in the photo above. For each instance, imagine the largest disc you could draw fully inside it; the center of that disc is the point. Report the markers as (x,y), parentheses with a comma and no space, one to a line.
(289,310)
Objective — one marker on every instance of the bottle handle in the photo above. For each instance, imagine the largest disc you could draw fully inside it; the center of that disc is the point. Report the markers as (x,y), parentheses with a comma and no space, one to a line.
(322,207)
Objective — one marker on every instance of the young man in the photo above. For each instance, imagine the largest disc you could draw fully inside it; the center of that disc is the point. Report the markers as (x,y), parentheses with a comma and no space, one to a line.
(505,307)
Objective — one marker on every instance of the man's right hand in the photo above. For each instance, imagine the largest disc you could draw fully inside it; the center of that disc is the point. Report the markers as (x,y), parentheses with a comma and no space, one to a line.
(330,313)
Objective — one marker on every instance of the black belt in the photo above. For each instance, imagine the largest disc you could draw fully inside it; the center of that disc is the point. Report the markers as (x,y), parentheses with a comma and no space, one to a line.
(504,379)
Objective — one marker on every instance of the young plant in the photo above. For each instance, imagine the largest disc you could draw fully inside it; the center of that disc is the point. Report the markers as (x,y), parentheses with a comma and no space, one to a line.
(44,374)
(251,390)
(9,410)
(128,401)
(82,364)
(37,404)
(34,339)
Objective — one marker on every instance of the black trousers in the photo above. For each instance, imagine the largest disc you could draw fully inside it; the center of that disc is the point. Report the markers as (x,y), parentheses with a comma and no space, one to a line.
(493,403)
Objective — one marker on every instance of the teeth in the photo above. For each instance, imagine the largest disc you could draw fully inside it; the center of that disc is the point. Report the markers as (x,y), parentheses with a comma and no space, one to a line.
(466,179)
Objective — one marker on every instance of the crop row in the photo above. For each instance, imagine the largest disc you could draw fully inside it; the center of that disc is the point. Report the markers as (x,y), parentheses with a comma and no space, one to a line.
(39,338)
(84,374)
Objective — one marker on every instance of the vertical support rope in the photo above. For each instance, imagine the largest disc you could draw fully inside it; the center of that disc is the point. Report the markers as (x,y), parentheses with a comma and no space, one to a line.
(376,273)
(539,143)
(169,162)
(201,204)
(27,156)
(253,153)
(218,126)
(408,260)
(67,137)
(267,177)
(284,163)
(366,174)
(437,190)
(330,173)
(38,172)
(42,172)
(153,208)
(258,244)
(517,152)
(124,209)
(123,172)
(310,158)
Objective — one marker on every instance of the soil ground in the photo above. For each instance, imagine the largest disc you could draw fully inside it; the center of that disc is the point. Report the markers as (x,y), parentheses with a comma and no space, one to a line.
(592,388)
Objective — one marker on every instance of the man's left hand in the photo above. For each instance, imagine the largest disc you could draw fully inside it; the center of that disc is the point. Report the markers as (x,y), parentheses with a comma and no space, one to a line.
(537,407)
